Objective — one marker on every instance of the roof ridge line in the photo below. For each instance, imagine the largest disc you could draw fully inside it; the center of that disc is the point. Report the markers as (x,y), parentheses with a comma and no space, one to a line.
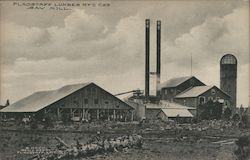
(185,90)
(208,87)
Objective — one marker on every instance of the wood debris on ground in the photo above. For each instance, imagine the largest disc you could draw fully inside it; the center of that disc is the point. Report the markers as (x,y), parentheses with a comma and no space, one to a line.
(98,146)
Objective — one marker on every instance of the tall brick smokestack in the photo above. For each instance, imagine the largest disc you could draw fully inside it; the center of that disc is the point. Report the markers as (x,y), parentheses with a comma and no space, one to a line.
(158,58)
(147,57)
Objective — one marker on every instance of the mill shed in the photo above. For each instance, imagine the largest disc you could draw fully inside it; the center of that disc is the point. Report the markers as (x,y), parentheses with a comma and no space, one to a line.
(86,100)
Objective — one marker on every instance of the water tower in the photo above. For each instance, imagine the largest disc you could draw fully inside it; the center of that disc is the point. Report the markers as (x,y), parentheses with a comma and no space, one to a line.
(228,76)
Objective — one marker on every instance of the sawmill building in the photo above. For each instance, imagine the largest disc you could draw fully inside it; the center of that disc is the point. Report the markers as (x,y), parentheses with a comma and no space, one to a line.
(87,101)
(174,86)
(200,95)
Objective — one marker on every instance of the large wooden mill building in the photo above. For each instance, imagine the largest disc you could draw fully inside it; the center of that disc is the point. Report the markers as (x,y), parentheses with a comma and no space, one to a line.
(87,101)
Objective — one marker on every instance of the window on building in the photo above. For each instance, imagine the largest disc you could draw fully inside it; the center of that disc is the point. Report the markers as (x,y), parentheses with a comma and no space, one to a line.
(217,98)
(106,102)
(201,100)
(166,91)
(117,106)
(213,91)
(74,100)
(94,91)
(85,92)
(96,101)
(86,101)
(210,98)
(184,102)
(88,91)
(226,103)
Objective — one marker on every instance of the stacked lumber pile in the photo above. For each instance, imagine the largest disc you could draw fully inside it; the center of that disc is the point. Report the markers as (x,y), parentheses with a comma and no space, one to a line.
(99,146)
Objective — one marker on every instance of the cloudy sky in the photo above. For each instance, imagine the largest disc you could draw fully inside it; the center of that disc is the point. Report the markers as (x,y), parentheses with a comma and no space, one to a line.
(46,49)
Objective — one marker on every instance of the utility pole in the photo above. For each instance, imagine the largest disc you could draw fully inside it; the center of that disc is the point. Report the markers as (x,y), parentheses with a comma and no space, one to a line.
(191,65)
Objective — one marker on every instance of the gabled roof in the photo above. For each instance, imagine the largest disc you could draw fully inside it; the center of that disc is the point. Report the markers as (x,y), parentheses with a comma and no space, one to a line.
(174,105)
(174,82)
(177,112)
(42,99)
(196,91)
(166,104)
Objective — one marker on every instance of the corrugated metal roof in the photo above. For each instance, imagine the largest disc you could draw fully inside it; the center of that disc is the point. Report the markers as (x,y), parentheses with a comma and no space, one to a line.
(170,112)
(194,92)
(42,99)
(174,82)
(166,104)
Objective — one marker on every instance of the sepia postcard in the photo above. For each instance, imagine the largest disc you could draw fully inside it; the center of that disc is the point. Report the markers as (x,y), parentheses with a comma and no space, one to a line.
(124,80)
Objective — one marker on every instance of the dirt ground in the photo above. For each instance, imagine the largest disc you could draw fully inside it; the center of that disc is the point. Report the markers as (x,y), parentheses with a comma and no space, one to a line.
(158,144)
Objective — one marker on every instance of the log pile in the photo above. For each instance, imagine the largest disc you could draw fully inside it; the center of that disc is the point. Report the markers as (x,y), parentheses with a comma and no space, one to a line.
(98,146)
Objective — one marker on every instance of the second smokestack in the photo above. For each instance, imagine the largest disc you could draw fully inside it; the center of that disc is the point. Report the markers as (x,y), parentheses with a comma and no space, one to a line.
(158,58)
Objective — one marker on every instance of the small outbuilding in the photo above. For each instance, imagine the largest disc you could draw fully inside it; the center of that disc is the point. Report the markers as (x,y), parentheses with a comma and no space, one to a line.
(181,114)
(169,110)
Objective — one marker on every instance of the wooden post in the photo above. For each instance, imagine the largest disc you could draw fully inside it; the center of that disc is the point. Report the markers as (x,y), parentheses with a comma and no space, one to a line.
(125,116)
(97,114)
(83,113)
(78,112)
(87,114)
(118,115)
(108,115)
(114,115)
(132,116)
(62,142)
(71,112)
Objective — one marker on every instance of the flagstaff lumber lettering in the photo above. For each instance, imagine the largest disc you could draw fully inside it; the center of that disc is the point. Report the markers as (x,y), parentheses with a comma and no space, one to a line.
(59,5)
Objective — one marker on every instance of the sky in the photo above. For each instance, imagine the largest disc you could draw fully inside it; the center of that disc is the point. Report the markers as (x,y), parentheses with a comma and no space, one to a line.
(43,49)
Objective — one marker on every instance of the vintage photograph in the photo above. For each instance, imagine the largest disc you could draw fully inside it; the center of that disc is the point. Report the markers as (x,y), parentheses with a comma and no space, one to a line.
(124,80)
